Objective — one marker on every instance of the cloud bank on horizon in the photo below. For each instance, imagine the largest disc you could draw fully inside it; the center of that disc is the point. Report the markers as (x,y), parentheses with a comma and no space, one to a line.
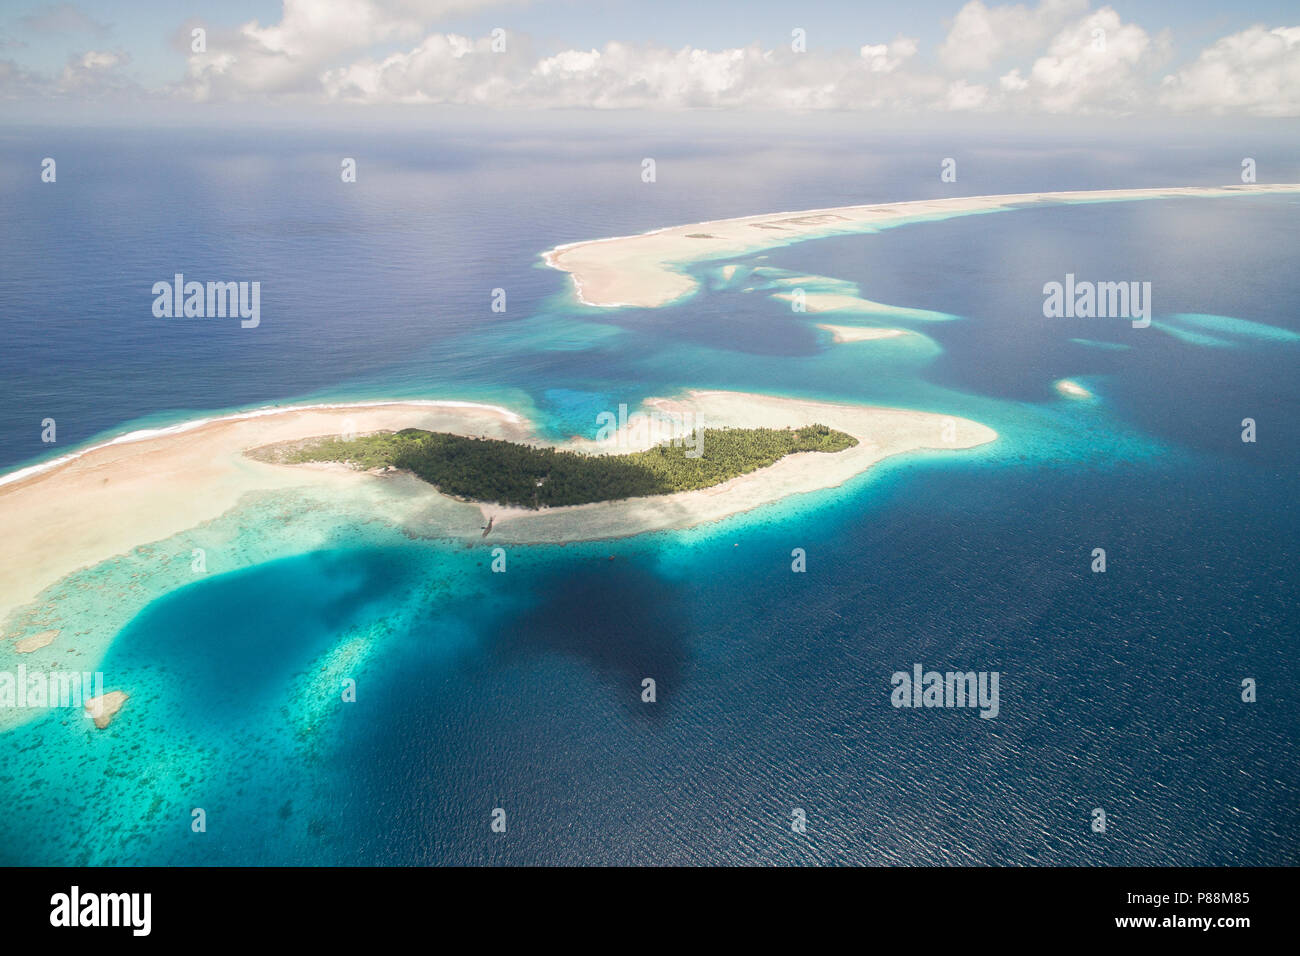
(1059,57)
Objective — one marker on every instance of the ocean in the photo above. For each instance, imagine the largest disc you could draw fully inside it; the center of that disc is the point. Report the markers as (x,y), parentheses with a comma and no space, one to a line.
(476,691)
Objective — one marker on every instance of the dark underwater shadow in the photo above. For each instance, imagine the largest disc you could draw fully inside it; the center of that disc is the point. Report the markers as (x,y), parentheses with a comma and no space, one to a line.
(622,620)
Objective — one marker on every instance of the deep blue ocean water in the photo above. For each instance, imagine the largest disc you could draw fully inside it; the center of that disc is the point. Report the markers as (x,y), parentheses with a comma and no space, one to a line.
(522,690)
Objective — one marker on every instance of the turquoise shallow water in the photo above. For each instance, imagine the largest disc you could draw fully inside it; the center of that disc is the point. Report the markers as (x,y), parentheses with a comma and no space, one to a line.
(521,690)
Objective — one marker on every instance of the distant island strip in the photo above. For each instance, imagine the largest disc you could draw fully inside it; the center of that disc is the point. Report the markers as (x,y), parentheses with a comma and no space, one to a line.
(648,270)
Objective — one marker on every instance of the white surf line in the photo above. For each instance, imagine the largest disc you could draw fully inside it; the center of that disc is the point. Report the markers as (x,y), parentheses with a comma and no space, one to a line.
(144,434)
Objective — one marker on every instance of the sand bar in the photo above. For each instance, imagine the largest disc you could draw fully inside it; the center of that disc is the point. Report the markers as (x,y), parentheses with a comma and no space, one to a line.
(841,302)
(34,643)
(90,506)
(645,270)
(855,333)
(103,709)
(1072,389)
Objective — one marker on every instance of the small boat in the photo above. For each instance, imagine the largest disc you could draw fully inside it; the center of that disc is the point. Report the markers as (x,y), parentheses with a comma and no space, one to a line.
(489,525)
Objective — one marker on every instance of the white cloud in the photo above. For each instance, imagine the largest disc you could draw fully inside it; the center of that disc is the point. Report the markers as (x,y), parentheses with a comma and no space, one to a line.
(888,57)
(981,36)
(623,75)
(1013,82)
(95,72)
(96,60)
(1055,57)
(1256,71)
(456,69)
(290,56)
(444,68)
(965,96)
(1096,64)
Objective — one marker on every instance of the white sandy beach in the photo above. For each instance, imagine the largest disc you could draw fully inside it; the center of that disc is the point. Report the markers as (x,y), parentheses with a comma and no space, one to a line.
(115,497)
(103,709)
(644,270)
(1072,389)
(815,302)
(841,334)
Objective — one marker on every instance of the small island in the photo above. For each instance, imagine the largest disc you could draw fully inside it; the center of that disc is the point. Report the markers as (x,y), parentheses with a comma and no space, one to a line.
(161,483)
(528,476)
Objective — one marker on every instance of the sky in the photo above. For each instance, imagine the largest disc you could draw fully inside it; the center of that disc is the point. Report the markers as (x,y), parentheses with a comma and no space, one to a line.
(1188,60)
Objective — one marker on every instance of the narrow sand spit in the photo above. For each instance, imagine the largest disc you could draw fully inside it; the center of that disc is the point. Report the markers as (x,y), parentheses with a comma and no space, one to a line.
(645,270)
(855,333)
(114,497)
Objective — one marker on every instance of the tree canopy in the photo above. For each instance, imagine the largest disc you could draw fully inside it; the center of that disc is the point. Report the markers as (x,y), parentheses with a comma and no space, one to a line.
(509,473)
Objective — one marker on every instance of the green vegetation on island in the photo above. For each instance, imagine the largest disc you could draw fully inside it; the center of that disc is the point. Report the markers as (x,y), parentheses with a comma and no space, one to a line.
(488,469)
